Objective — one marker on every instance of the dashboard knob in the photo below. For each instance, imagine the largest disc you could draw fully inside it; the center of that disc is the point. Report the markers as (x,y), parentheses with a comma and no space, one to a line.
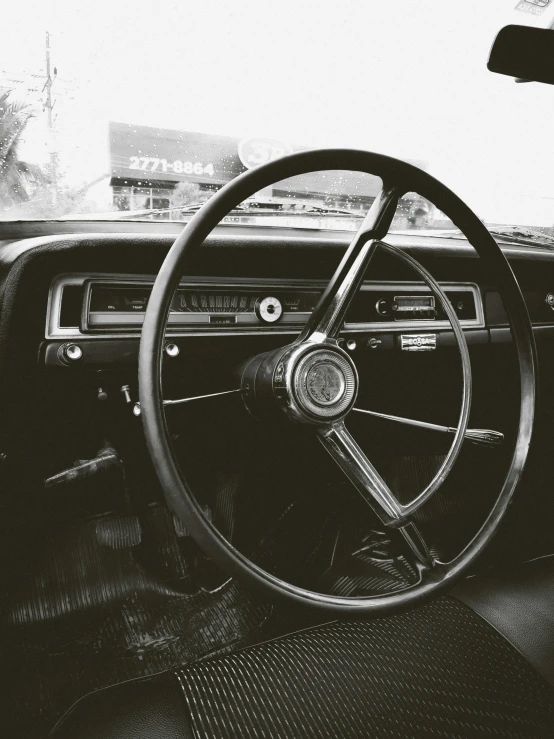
(549,300)
(382,307)
(172,350)
(70,353)
(351,345)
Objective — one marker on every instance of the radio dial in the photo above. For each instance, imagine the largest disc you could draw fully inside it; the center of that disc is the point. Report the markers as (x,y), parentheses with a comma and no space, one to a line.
(268,310)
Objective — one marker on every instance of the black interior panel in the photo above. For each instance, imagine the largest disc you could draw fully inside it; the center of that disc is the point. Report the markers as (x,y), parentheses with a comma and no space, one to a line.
(57,419)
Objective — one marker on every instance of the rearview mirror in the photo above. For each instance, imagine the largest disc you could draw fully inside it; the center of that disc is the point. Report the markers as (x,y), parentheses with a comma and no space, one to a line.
(524,52)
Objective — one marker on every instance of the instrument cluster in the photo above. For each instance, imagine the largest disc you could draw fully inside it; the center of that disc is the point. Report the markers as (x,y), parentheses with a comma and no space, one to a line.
(109,305)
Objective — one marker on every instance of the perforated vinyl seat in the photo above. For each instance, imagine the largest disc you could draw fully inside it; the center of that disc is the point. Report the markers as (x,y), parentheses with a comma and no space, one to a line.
(479,662)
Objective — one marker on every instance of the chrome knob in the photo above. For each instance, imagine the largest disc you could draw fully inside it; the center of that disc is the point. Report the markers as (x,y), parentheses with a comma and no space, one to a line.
(172,350)
(126,390)
(351,345)
(70,353)
(549,300)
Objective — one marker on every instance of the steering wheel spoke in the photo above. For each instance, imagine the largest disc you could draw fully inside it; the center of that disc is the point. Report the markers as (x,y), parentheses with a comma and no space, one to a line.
(414,539)
(327,318)
(179,401)
(346,452)
(480,437)
(343,448)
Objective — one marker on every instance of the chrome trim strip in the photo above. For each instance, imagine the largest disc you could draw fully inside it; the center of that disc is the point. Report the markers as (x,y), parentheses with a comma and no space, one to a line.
(290,324)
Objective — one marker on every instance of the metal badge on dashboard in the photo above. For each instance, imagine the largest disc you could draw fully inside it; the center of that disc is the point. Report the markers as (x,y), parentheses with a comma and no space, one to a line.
(418,342)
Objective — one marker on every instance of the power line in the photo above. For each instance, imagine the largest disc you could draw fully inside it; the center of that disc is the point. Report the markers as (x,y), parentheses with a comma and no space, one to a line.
(49,106)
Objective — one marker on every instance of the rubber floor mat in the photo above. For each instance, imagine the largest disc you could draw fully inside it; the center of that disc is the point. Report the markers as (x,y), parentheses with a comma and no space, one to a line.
(99,606)
(320,544)
(110,599)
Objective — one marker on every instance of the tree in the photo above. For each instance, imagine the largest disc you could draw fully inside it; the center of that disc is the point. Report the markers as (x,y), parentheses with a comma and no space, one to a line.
(70,198)
(16,176)
(185,193)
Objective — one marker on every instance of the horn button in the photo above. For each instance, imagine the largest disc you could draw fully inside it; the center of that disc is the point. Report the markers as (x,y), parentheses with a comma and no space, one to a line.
(309,383)
(323,384)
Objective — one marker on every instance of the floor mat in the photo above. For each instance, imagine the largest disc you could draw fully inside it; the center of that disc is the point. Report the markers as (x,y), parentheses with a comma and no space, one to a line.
(323,543)
(93,610)
(110,599)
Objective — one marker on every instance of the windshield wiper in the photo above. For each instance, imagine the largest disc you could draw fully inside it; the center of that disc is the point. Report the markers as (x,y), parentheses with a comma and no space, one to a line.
(506,234)
(285,206)
(522,235)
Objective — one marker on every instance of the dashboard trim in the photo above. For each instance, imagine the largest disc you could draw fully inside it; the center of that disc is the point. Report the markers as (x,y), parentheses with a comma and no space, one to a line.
(289,324)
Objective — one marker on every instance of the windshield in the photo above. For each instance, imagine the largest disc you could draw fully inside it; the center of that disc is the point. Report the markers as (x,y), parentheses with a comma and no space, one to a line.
(122,111)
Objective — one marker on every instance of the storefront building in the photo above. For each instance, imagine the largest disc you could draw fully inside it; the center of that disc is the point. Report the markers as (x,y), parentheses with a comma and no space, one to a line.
(148,166)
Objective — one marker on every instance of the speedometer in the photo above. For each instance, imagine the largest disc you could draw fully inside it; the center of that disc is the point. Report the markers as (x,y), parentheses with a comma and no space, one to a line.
(268,310)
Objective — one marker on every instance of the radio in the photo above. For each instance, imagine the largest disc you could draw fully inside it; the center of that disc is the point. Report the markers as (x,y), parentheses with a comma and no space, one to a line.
(412,307)
(398,305)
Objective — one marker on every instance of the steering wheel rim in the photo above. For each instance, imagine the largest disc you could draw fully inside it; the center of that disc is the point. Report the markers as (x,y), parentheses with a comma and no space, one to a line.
(174,483)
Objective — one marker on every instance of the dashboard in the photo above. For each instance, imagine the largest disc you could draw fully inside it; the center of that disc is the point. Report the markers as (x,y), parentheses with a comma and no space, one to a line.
(82,292)
(100,306)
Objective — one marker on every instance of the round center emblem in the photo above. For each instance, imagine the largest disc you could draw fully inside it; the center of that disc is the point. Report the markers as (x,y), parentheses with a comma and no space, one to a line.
(325,383)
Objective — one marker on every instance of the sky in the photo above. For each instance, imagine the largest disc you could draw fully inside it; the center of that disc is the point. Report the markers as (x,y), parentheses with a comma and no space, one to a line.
(407,78)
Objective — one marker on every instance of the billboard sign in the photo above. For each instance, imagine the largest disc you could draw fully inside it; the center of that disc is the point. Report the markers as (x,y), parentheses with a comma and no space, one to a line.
(254,152)
(140,155)
(154,154)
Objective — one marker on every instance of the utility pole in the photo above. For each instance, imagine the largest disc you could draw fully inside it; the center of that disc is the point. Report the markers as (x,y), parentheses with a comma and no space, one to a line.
(49,107)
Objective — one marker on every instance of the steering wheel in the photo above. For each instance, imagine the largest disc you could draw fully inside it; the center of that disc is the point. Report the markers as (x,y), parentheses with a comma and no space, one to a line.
(314,382)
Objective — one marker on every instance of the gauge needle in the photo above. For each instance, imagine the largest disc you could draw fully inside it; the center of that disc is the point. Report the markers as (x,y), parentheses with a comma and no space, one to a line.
(137,410)
(482,437)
